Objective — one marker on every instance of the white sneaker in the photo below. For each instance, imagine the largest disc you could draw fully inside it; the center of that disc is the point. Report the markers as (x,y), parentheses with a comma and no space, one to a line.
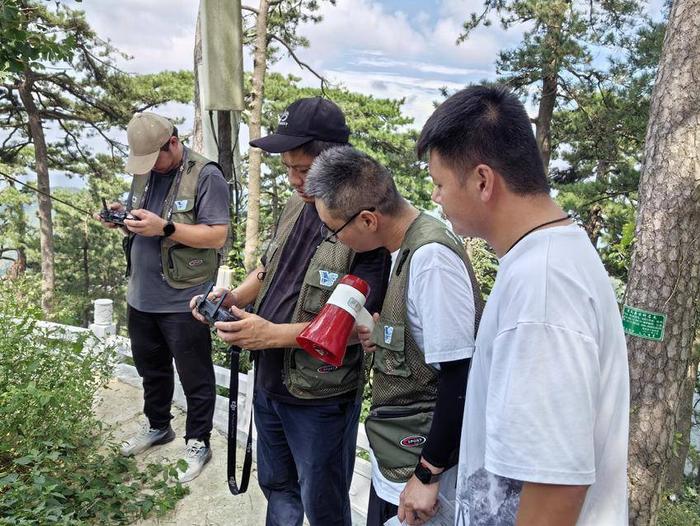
(147,437)
(197,454)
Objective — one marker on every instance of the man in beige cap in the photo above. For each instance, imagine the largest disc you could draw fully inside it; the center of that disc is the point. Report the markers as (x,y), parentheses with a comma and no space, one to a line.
(180,208)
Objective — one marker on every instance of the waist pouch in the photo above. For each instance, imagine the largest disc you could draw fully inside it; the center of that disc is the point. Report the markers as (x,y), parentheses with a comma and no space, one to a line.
(397,435)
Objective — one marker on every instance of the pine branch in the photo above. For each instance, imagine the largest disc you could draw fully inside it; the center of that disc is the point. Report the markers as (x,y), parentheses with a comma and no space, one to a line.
(299,61)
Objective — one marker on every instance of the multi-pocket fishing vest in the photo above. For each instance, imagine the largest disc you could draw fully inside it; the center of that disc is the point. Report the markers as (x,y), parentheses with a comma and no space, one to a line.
(304,376)
(182,266)
(404,387)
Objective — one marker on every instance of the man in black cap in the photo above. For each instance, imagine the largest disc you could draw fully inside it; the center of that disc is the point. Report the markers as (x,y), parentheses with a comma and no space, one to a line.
(306,411)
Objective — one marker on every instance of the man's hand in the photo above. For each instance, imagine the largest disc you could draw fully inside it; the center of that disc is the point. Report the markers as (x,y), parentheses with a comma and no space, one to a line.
(150,224)
(117,207)
(365,335)
(249,332)
(214,295)
(418,502)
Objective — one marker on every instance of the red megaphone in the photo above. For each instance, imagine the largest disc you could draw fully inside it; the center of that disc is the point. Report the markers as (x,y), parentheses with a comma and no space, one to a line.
(326,337)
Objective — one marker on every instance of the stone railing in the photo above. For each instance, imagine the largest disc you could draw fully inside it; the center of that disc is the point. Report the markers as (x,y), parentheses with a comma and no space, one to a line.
(104,332)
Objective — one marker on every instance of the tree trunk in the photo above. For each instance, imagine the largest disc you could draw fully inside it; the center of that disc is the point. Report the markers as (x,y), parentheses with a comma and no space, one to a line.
(36,131)
(197,129)
(676,468)
(19,222)
(544,118)
(548,99)
(594,225)
(665,270)
(86,273)
(18,268)
(252,225)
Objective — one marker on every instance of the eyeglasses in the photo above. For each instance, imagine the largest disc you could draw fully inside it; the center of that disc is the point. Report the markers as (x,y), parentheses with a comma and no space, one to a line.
(331,236)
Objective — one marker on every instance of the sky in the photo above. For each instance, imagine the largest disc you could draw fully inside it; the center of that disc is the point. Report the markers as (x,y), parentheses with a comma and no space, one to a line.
(386,48)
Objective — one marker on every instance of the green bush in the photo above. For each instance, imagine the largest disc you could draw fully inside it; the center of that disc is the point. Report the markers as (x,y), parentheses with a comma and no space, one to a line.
(57,465)
(683,510)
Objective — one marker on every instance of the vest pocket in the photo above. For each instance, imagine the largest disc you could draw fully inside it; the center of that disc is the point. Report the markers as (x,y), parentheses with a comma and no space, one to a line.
(309,375)
(189,264)
(183,211)
(390,356)
(319,283)
(397,435)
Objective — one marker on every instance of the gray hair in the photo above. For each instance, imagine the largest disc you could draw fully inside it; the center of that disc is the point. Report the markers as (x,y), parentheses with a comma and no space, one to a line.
(348,181)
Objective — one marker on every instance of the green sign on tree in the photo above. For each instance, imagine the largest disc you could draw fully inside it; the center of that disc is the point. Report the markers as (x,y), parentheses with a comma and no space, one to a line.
(642,323)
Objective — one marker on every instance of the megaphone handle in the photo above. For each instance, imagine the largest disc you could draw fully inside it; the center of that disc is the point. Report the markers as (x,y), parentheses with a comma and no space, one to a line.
(233,430)
(365,318)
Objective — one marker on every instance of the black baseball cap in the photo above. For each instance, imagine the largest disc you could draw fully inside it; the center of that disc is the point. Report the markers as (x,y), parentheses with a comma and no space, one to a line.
(303,121)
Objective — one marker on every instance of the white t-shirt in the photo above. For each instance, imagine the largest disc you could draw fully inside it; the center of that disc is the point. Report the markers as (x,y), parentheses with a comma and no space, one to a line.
(548,393)
(440,314)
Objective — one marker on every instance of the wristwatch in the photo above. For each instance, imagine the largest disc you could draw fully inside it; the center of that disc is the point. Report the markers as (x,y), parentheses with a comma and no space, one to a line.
(168,229)
(426,476)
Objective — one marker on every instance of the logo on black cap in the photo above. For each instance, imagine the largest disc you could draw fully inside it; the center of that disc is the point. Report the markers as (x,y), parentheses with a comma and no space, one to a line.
(283,118)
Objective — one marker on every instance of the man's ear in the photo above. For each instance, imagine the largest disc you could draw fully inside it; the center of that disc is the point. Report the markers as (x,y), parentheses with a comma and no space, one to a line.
(370,220)
(486,181)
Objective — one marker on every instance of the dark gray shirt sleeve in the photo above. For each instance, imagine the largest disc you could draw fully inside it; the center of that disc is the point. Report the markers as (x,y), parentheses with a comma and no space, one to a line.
(213,197)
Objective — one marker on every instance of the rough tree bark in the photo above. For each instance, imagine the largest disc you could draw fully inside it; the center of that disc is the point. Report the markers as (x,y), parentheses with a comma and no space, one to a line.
(676,468)
(252,225)
(197,131)
(543,126)
(36,131)
(665,270)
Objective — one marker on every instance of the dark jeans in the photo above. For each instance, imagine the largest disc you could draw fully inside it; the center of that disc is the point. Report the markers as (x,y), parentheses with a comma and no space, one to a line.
(379,511)
(306,457)
(155,340)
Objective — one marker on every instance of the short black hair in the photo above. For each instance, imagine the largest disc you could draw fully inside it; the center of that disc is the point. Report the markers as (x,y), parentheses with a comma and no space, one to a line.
(316,147)
(347,181)
(486,125)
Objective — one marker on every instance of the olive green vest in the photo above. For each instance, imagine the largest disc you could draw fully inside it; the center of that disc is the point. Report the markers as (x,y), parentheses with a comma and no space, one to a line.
(404,386)
(303,375)
(183,266)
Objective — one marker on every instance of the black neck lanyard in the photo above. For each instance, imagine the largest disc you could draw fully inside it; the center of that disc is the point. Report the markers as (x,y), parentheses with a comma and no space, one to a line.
(567,216)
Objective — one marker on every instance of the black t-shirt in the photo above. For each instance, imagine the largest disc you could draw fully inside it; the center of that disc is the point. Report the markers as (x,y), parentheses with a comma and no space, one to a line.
(281,298)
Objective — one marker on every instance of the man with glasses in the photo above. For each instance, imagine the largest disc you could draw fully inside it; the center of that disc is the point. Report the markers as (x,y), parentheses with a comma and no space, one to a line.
(306,412)
(179,202)
(422,340)
(331,236)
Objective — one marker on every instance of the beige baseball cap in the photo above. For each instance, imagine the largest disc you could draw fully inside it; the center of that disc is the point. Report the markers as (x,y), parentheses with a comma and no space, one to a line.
(146,133)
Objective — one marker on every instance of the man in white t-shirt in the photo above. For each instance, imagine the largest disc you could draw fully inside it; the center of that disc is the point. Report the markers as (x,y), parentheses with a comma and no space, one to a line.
(422,340)
(544,438)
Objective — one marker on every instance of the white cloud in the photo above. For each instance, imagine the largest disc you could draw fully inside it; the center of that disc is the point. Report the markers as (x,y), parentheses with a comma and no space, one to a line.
(158,34)
(360,43)
(423,67)
(361,24)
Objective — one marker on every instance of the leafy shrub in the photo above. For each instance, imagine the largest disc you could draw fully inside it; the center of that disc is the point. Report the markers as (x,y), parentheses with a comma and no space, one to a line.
(57,465)
(683,510)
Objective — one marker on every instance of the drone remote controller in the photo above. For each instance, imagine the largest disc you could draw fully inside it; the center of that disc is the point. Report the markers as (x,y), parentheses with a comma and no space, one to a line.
(115,216)
(212,311)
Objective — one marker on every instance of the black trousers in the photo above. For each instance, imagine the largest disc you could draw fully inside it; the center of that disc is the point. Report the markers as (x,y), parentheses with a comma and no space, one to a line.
(155,340)
(379,511)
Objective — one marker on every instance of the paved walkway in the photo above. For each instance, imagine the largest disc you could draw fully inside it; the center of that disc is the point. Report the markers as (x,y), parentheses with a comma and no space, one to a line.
(209,502)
